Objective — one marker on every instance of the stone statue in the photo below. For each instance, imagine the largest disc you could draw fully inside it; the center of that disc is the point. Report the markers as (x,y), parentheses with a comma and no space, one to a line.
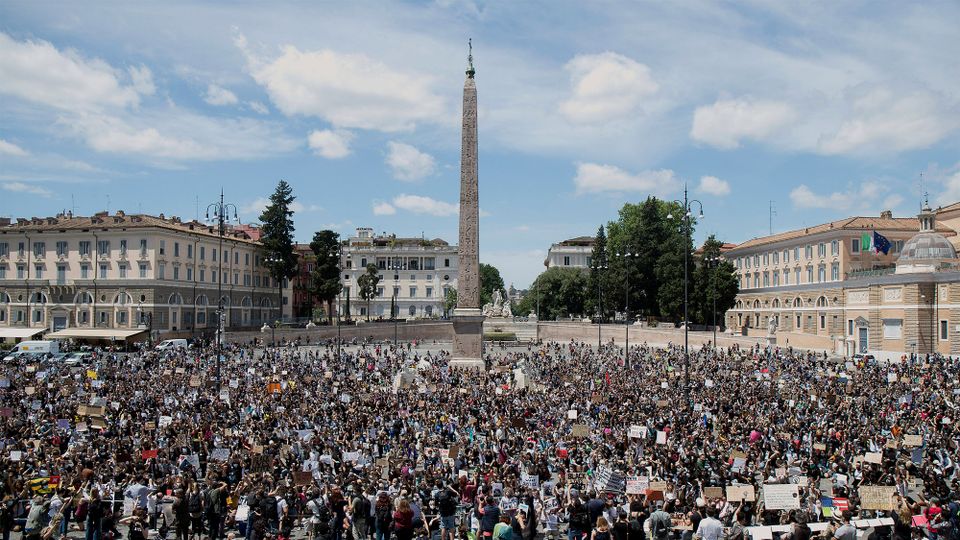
(507,311)
(772,327)
(497,299)
(498,308)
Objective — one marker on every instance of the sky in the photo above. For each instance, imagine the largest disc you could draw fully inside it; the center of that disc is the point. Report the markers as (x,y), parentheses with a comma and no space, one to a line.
(827,109)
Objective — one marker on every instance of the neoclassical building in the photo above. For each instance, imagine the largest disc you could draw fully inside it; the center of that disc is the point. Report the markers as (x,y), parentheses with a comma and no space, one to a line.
(820,290)
(116,276)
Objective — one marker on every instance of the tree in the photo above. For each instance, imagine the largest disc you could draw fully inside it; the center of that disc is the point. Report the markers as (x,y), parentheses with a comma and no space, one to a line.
(669,268)
(449,301)
(276,237)
(714,279)
(325,278)
(367,284)
(599,279)
(562,292)
(490,281)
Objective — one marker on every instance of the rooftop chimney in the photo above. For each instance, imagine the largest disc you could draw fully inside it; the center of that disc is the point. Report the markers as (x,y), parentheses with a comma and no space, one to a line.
(886,214)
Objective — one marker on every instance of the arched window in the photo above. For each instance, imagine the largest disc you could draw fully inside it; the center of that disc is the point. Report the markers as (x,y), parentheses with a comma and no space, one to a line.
(776,303)
(83,297)
(246,302)
(756,304)
(797,302)
(739,304)
(122,299)
(202,300)
(822,301)
(4,298)
(38,298)
(413,311)
(428,311)
(225,300)
(175,299)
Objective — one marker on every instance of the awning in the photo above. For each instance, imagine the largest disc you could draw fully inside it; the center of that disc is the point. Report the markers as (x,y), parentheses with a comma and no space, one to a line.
(114,334)
(19,332)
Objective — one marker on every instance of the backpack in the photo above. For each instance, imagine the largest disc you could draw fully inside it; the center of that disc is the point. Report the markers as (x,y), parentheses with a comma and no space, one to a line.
(446,504)
(323,520)
(195,504)
(580,518)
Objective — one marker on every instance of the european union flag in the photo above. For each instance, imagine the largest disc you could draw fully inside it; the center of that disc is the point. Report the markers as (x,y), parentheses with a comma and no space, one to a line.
(880,243)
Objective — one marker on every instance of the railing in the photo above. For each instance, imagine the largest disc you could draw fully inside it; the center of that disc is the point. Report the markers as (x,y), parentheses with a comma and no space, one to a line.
(875,272)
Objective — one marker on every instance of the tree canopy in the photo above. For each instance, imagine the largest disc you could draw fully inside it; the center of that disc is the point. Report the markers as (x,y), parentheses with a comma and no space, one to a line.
(276,236)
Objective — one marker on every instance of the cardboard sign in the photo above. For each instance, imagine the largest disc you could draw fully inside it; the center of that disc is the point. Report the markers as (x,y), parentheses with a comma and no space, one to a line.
(912,441)
(148,454)
(572,414)
(873,457)
(530,481)
(663,404)
(302,478)
(819,446)
(220,454)
(658,485)
(741,493)
(636,485)
(661,437)
(877,497)
(637,432)
(713,492)
(581,430)
(260,463)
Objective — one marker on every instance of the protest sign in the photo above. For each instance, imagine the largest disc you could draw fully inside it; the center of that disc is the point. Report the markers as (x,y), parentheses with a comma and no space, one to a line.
(609,480)
(741,493)
(912,441)
(713,492)
(636,485)
(260,463)
(572,414)
(877,497)
(302,478)
(661,437)
(581,430)
(637,432)
(220,454)
(148,454)
(531,481)
(781,497)
(873,457)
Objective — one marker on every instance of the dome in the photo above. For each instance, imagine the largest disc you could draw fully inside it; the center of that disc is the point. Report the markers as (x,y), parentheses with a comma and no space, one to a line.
(927,246)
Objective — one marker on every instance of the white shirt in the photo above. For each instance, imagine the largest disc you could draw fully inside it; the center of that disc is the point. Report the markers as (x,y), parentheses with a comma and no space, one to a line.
(710,529)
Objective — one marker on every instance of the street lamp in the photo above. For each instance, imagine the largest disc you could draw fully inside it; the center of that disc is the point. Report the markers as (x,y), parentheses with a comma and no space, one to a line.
(714,263)
(601,265)
(687,205)
(339,290)
(271,260)
(396,266)
(626,277)
(221,215)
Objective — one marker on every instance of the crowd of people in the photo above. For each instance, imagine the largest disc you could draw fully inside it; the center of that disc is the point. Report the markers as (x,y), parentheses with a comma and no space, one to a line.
(552,439)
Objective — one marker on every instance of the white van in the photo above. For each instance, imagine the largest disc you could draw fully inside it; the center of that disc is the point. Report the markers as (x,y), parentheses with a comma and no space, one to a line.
(33,348)
(170,344)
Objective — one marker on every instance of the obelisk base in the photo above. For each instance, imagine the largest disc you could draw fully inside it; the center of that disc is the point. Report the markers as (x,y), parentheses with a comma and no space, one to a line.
(467,339)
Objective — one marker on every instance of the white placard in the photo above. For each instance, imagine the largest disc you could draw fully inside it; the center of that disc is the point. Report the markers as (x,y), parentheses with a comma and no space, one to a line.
(781,496)
(661,437)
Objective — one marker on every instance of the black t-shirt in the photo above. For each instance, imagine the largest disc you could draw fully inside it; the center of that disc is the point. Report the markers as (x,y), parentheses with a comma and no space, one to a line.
(621,530)
(136,531)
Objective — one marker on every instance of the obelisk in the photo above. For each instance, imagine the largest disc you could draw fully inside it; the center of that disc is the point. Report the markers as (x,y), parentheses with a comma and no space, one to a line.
(467,317)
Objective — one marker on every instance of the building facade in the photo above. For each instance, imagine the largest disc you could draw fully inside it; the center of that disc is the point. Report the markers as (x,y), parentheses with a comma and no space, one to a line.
(415,275)
(573,253)
(130,272)
(816,287)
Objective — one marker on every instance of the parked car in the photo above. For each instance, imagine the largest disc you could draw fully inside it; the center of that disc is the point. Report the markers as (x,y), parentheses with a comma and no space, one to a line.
(79,358)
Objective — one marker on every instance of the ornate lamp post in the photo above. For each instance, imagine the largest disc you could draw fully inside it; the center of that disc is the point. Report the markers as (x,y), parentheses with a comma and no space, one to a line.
(221,215)
(627,256)
(687,205)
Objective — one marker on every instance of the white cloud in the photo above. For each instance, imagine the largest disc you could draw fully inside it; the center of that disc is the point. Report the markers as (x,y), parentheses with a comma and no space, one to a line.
(951,189)
(860,197)
(330,144)
(725,123)
(142,79)
(425,205)
(11,149)
(258,107)
(219,96)
(597,178)
(714,186)
(20,187)
(258,205)
(383,209)
(36,71)
(605,87)
(883,121)
(347,90)
(408,163)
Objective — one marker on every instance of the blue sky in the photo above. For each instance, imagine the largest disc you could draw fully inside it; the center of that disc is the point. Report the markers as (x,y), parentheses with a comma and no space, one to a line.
(829,109)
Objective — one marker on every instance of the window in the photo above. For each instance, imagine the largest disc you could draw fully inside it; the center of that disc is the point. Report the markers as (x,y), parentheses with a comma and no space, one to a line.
(766,279)
(396,291)
(236,279)
(429,264)
(776,278)
(38,271)
(103,247)
(161,271)
(143,247)
(246,279)
(176,249)
(103,271)
(203,253)
(163,247)
(766,259)
(834,247)
(121,317)
(143,271)
(796,275)
(21,247)
(379,292)
(189,274)
(821,273)
(429,292)
(786,256)
(413,292)
(821,250)
(850,327)
(363,262)
(897,246)
(809,274)
(747,262)
(4,249)
(103,317)
(566,260)
(123,271)
(236,257)
(756,260)
(3,274)
(84,248)
(189,251)
(61,274)
(808,252)
(37,315)
(213,255)
(446,263)
(39,250)
(776,257)
(246,259)
(823,322)
(21,271)
(429,277)
(61,249)
(84,271)
(786,277)
(176,273)
(756,280)
(203,274)
(202,317)
(855,245)
(123,247)
(796,253)
(412,311)
(835,271)
(943,330)
(892,328)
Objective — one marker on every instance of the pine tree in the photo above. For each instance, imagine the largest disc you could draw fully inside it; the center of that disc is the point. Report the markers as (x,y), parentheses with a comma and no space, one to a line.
(277,239)
(596,304)
(367,284)
(325,278)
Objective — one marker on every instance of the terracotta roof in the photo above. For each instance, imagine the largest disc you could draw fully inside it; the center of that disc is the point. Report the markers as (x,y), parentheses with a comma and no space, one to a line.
(858,223)
(121,221)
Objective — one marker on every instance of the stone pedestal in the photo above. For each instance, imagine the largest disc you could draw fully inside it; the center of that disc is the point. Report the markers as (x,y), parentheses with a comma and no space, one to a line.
(467,339)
